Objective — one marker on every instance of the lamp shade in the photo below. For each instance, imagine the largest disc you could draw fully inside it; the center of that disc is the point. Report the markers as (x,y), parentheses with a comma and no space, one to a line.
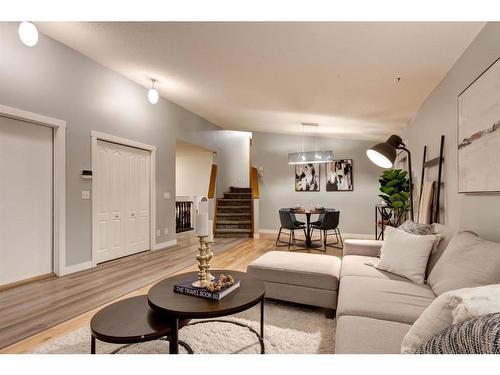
(310,157)
(384,154)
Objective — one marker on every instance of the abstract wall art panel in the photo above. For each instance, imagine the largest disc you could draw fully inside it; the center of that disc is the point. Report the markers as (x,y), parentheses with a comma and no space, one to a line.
(307,177)
(339,175)
(479,134)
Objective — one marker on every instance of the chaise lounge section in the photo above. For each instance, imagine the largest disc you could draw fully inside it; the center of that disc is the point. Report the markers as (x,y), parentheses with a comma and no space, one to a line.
(310,279)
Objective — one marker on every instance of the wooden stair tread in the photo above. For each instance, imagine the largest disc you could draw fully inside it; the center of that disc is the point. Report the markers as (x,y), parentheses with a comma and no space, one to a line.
(235,222)
(230,230)
(234,207)
(233,213)
(235,199)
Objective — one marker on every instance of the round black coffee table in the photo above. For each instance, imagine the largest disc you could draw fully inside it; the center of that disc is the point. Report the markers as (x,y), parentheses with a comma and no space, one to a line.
(179,307)
(130,321)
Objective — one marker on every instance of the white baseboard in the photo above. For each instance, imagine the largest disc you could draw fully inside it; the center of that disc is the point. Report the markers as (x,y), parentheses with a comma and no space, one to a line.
(362,236)
(256,235)
(163,245)
(76,268)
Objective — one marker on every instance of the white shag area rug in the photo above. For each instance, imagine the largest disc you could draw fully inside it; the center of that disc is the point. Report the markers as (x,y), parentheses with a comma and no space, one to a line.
(288,329)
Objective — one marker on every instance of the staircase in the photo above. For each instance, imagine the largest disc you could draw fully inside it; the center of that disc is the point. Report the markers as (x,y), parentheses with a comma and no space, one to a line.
(234,213)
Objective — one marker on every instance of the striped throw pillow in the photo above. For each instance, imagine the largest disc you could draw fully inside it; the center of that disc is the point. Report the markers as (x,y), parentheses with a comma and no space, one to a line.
(479,335)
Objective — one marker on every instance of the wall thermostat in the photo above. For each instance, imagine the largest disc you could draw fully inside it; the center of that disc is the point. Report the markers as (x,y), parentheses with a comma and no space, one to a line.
(87,174)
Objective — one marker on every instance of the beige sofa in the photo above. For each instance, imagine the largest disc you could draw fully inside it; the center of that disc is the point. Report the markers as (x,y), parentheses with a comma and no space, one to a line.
(376,309)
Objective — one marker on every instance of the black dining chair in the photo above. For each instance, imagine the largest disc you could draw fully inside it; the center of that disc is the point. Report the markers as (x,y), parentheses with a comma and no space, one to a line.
(321,217)
(330,222)
(289,223)
(294,219)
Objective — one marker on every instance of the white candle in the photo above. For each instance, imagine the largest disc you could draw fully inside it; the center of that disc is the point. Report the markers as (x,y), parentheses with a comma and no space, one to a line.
(210,231)
(202,225)
(203,206)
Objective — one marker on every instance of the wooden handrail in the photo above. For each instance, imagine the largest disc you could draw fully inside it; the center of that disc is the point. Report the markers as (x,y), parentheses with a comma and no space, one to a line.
(213,179)
(254,182)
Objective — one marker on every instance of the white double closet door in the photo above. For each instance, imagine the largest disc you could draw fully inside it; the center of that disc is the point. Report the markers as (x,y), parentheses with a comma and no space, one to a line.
(122,201)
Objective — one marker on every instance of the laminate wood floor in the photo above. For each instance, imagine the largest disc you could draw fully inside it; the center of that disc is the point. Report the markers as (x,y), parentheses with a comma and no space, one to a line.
(34,307)
(51,310)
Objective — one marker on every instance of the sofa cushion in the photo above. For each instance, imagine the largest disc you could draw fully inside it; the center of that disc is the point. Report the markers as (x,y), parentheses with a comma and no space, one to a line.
(362,247)
(357,265)
(310,270)
(406,254)
(467,262)
(446,234)
(359,335)
(394,300)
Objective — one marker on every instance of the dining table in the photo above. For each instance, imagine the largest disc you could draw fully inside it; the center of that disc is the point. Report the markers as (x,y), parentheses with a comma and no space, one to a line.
(308,213)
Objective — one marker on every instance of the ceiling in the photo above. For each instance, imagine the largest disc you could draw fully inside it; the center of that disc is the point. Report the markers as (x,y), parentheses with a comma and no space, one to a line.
(272,76)
(182,147)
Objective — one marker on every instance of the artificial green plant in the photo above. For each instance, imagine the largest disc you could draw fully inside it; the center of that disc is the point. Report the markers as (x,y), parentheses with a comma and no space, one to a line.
(395,191)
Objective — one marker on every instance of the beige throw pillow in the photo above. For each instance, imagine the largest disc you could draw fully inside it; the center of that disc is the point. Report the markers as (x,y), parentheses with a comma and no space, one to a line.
(468,261)
(406,254)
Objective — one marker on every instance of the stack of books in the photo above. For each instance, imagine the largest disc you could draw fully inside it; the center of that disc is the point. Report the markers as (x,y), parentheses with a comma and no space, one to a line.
(186,287)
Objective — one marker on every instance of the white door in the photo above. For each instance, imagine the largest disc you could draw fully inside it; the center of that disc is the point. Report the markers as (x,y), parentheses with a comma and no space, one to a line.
(137,201)
(108,191)
(122,196)
(25,200)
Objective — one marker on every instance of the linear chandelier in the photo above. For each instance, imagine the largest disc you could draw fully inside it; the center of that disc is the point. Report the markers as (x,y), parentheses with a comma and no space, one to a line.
(306,157)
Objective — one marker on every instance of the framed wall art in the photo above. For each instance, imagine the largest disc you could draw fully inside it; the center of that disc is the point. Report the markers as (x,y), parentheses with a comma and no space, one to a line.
(307,177)
(479,134)
(339,175)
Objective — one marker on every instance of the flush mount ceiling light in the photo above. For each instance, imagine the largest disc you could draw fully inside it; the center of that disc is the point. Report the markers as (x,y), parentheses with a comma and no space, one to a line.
(28,33)
(153,93)
(306,157)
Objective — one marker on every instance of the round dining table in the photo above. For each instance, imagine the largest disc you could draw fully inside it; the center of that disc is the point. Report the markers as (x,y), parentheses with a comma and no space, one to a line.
(308,213)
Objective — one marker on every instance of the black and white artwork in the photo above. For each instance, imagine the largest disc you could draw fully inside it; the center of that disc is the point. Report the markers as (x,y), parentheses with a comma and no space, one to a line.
(479,134)
(339,175)
(307,177)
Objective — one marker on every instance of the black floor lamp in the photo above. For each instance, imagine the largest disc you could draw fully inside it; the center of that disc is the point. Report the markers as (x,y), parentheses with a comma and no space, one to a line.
(384,155)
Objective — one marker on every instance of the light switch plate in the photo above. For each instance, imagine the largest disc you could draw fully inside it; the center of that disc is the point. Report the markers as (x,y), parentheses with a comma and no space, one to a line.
(85,194)
(166,231)
(166,195)
(158,233)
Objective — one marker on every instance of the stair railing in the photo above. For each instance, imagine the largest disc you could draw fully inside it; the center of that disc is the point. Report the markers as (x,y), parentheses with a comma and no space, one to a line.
(211,195)
(183,211)
(254,185)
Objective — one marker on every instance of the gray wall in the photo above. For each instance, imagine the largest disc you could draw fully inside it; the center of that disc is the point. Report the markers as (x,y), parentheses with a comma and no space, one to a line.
(438,115)
(277,188)
(54,80)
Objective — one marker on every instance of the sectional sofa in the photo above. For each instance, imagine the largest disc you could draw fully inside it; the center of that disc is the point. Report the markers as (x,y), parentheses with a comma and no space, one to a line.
(374,309)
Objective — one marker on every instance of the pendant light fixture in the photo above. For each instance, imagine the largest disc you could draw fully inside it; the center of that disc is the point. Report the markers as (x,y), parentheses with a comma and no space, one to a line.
(306,157)
(153,93)
(28,33)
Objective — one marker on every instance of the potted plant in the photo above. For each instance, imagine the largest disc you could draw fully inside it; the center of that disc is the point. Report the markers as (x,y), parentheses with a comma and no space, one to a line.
(395,191)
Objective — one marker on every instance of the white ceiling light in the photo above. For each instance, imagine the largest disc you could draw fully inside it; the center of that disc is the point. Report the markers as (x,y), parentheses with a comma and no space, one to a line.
(153,93)
(28,33)
(306,157)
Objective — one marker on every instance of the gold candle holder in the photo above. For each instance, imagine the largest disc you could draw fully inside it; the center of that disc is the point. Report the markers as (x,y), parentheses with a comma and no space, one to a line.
(203,280)
(209,256)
